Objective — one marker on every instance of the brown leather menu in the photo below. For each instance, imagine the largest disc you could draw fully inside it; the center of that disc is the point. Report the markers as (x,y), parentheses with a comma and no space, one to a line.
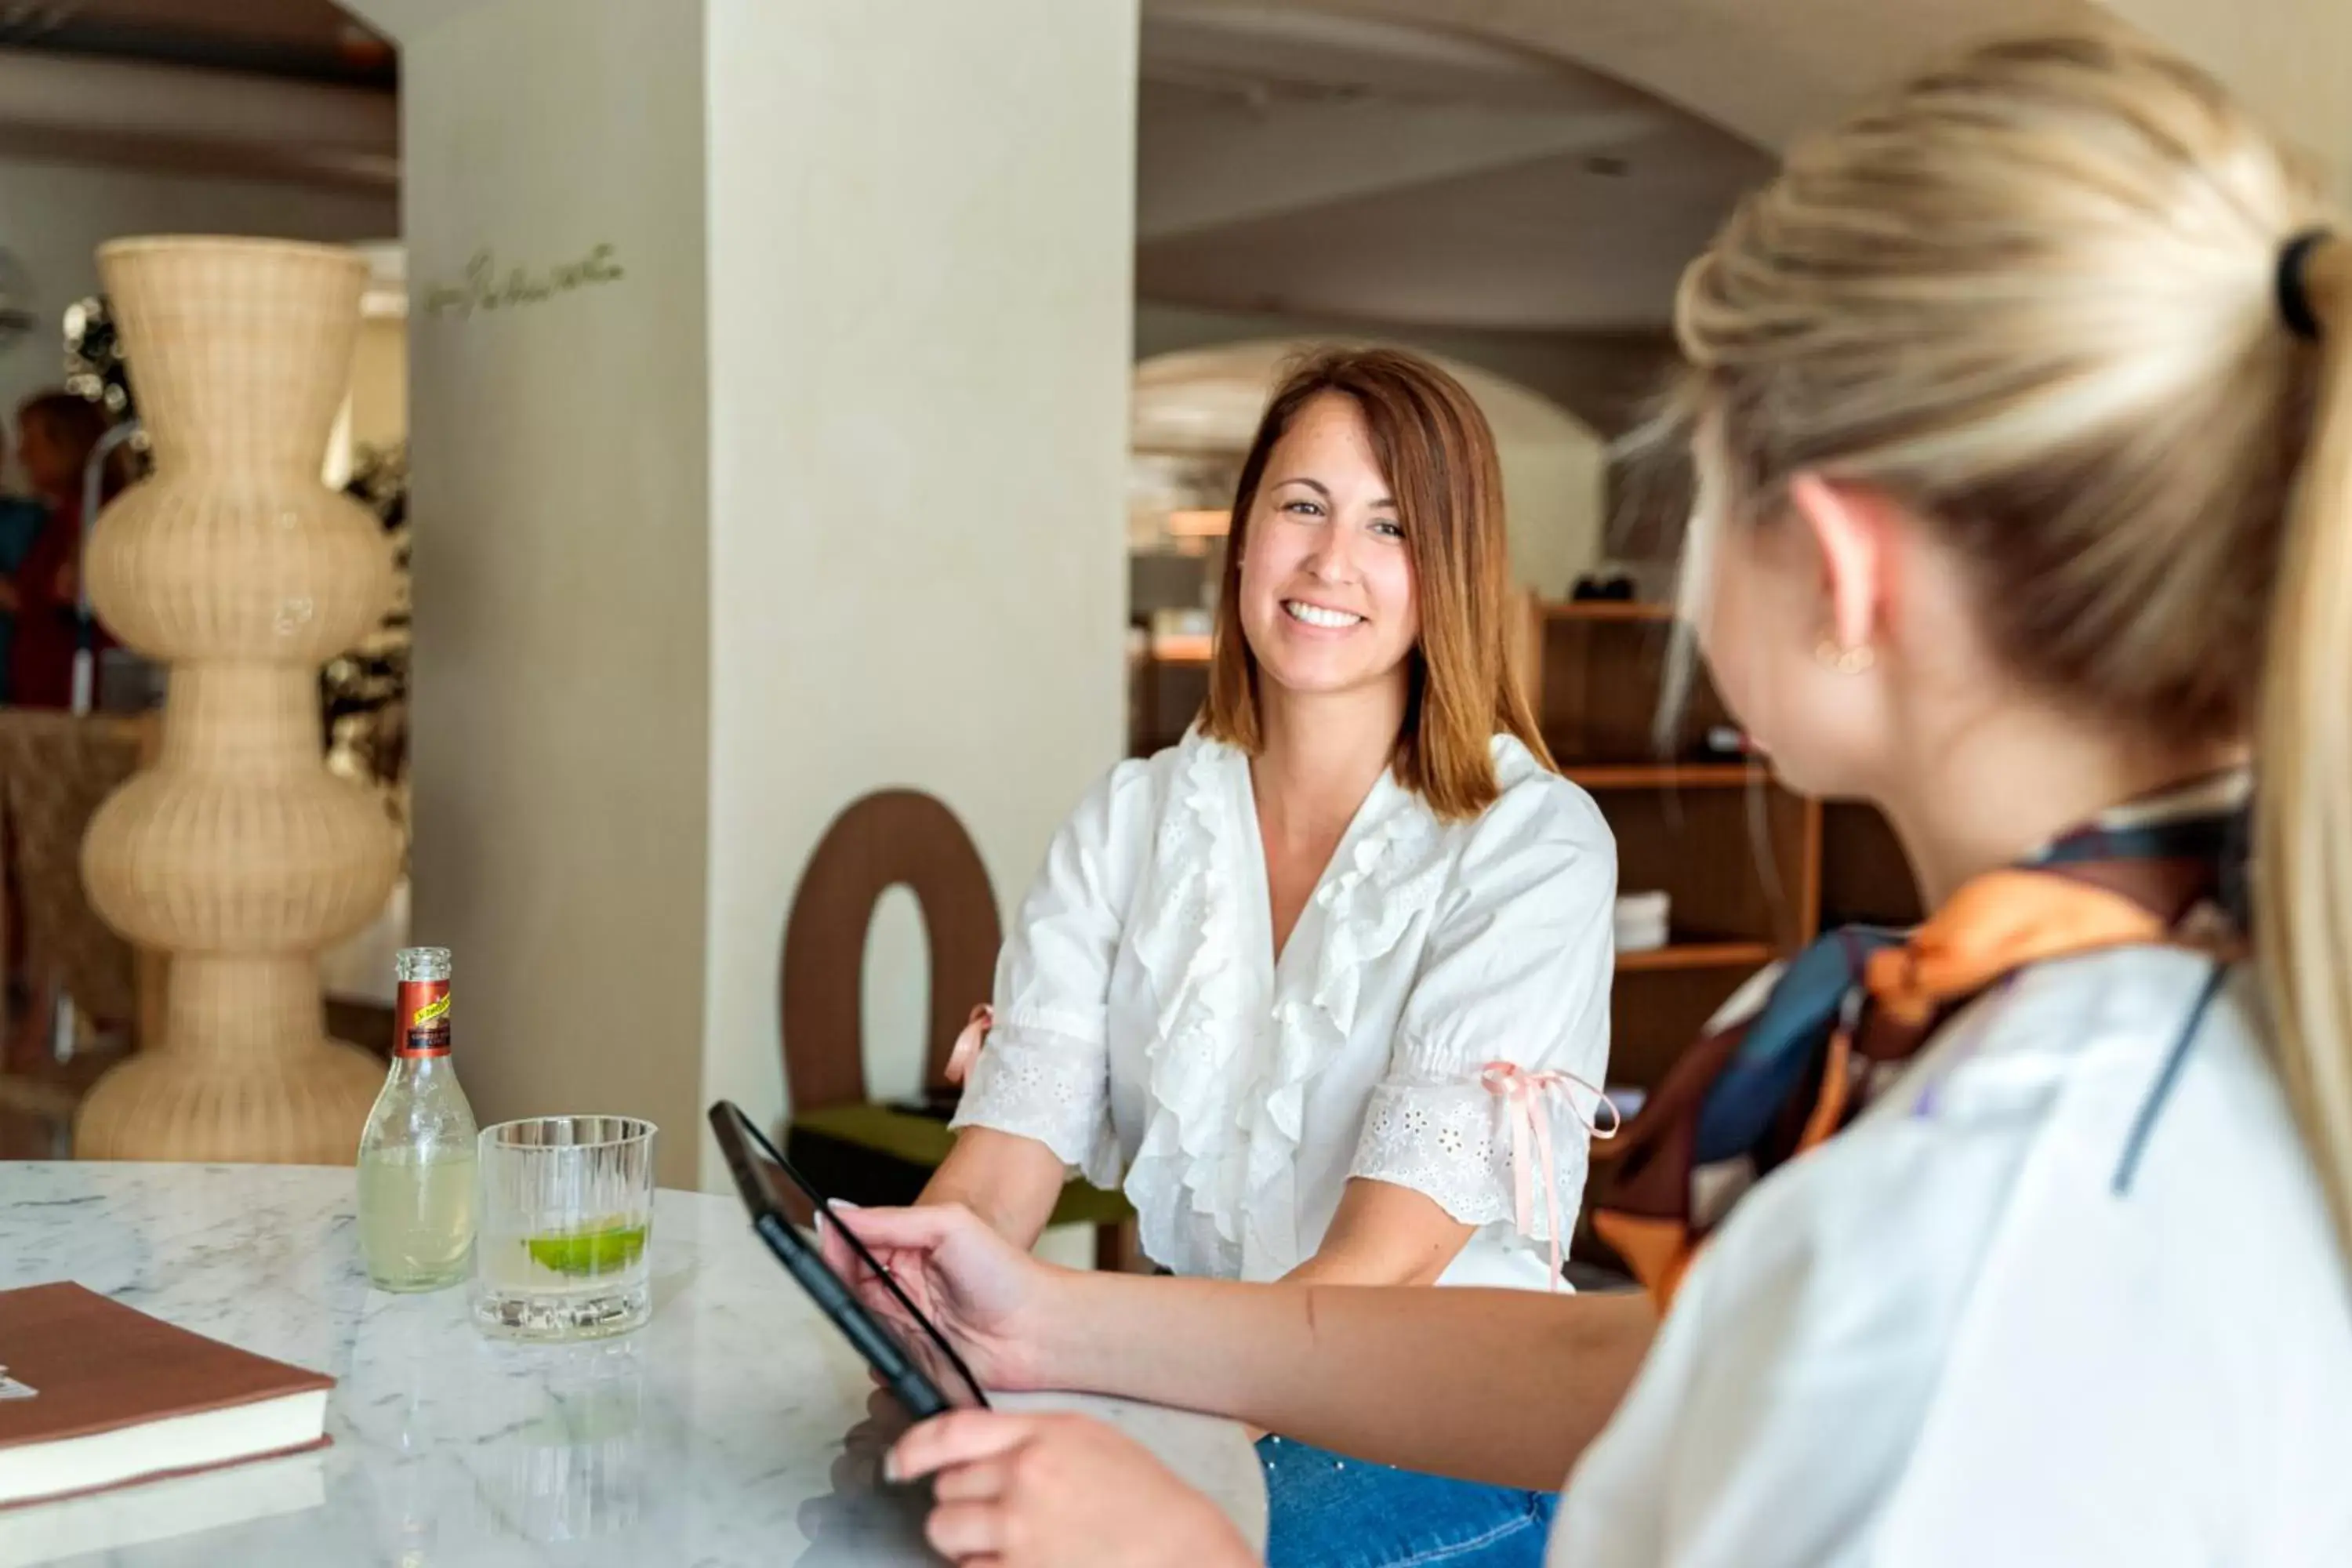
(97,1395)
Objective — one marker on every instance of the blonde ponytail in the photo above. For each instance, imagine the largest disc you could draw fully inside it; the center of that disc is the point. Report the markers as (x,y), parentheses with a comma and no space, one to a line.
(2303,870)
(2034,293)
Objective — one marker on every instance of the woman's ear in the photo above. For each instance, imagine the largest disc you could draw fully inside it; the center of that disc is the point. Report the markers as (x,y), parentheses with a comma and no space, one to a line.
(1855,530)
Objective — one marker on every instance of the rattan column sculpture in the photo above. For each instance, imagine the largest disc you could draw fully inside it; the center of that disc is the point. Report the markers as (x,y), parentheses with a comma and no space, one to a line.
(237,855)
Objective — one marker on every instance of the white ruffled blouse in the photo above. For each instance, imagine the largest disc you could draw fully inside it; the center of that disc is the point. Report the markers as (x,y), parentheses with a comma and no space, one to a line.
(1144,1031)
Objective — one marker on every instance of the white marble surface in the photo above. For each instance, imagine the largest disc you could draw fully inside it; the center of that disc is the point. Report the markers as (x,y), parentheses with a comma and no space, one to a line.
(735,1428)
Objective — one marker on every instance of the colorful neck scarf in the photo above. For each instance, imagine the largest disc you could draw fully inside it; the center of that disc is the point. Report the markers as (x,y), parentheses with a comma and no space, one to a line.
(1851,1010)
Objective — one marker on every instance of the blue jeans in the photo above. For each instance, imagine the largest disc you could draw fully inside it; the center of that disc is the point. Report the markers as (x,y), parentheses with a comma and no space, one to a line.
(1326,1511)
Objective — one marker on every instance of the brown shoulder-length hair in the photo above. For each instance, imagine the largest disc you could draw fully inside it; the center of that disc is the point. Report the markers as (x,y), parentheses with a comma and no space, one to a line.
(1437,453)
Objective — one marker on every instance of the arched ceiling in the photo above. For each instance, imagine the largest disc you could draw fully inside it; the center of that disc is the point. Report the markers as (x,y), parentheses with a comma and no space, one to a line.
(1761,69)
(1294,161)
(1512,166)
(1547,166)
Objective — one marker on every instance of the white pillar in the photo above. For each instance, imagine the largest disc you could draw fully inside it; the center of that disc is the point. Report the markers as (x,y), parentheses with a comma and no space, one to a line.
(821,493)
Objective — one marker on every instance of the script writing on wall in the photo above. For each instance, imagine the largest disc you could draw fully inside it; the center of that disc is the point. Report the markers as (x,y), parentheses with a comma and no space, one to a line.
(489,286)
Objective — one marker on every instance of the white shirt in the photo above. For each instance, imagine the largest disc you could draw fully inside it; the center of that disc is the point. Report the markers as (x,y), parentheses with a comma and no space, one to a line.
(1144,1030)
(1972,1330)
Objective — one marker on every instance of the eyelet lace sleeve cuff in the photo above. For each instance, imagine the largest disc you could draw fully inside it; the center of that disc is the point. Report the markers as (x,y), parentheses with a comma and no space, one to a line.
(1049,1086)
(1450,1140)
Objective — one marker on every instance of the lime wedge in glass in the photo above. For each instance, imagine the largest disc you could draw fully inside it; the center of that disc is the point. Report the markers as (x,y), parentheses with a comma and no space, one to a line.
(605,1251)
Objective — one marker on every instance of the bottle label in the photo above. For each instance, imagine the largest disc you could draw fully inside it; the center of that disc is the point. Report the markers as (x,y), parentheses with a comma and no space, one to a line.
(422,1017)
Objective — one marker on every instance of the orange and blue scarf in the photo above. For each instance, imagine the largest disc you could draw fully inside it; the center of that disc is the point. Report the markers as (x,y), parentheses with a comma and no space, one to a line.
(1851,1009)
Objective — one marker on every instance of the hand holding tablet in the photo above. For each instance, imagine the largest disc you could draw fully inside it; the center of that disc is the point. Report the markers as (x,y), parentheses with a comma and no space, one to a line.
(757,1171)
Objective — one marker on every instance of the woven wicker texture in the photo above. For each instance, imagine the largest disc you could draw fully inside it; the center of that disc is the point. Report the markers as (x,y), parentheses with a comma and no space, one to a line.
(238,854)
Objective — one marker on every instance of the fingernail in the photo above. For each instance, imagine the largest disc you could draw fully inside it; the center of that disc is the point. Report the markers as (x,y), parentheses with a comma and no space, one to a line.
(890,1468)
(843,1204)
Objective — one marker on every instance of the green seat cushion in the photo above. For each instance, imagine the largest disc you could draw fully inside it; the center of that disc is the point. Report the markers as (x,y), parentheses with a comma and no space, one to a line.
(917,1140)
(880,1156)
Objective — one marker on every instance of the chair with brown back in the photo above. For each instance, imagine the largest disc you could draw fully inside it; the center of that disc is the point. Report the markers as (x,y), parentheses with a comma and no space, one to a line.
(850,1146)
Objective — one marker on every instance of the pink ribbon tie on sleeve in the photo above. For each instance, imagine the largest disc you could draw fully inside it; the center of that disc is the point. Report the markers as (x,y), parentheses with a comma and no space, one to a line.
(1526,1100)
(968,1043)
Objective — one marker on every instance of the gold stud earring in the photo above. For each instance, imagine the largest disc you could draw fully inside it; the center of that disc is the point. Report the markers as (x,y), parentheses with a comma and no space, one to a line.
(1845,660)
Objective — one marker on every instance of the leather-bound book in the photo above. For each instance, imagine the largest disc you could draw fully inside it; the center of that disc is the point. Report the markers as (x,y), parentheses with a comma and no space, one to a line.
(97,1395)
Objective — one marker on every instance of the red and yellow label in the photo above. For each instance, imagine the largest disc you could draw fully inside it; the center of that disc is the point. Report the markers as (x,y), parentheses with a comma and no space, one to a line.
(422,1014)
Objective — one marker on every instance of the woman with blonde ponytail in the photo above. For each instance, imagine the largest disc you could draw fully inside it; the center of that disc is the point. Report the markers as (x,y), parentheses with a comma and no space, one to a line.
(2303,885)
(2021,406)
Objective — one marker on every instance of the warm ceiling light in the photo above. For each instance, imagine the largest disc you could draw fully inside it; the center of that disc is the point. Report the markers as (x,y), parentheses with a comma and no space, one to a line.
(1200,524)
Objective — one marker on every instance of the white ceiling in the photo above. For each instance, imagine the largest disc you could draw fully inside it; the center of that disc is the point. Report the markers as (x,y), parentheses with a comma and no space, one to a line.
(1291,160)
(1300,161)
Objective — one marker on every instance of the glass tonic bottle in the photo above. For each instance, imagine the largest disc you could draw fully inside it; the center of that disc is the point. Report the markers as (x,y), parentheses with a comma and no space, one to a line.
(416,1158)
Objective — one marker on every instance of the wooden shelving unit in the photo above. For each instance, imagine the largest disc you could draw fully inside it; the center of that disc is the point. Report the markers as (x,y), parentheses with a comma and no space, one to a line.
(1746,956)
(1597,777)
(1612,610)
(1750,867)
(1751,870)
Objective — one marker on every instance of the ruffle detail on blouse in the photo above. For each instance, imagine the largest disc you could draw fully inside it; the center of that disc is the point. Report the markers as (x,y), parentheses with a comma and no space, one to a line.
(1212,1180)
(1394,876)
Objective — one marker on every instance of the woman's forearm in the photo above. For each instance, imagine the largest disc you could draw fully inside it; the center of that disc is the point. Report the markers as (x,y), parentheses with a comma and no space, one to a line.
(1011,1182)
(1385,1235)
(1503,1386)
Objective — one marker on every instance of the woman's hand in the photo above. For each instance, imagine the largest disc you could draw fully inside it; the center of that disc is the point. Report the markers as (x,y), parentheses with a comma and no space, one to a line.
(992,1302)
(1059,1492)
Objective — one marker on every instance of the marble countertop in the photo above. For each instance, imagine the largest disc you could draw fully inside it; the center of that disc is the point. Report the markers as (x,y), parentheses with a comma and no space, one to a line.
(735,1428)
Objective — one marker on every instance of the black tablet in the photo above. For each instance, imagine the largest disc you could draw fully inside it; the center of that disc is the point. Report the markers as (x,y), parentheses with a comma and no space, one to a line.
(756,1165)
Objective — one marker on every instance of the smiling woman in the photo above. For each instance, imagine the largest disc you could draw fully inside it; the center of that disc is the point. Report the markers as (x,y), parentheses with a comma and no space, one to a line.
(1325,987)
(1418,517)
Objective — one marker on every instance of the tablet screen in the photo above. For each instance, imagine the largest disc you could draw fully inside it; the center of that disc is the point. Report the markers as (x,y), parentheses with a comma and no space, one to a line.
(727,1117)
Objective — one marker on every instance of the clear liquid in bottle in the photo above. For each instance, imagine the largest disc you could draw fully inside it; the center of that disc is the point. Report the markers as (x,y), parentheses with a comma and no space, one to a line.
(416,1158)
